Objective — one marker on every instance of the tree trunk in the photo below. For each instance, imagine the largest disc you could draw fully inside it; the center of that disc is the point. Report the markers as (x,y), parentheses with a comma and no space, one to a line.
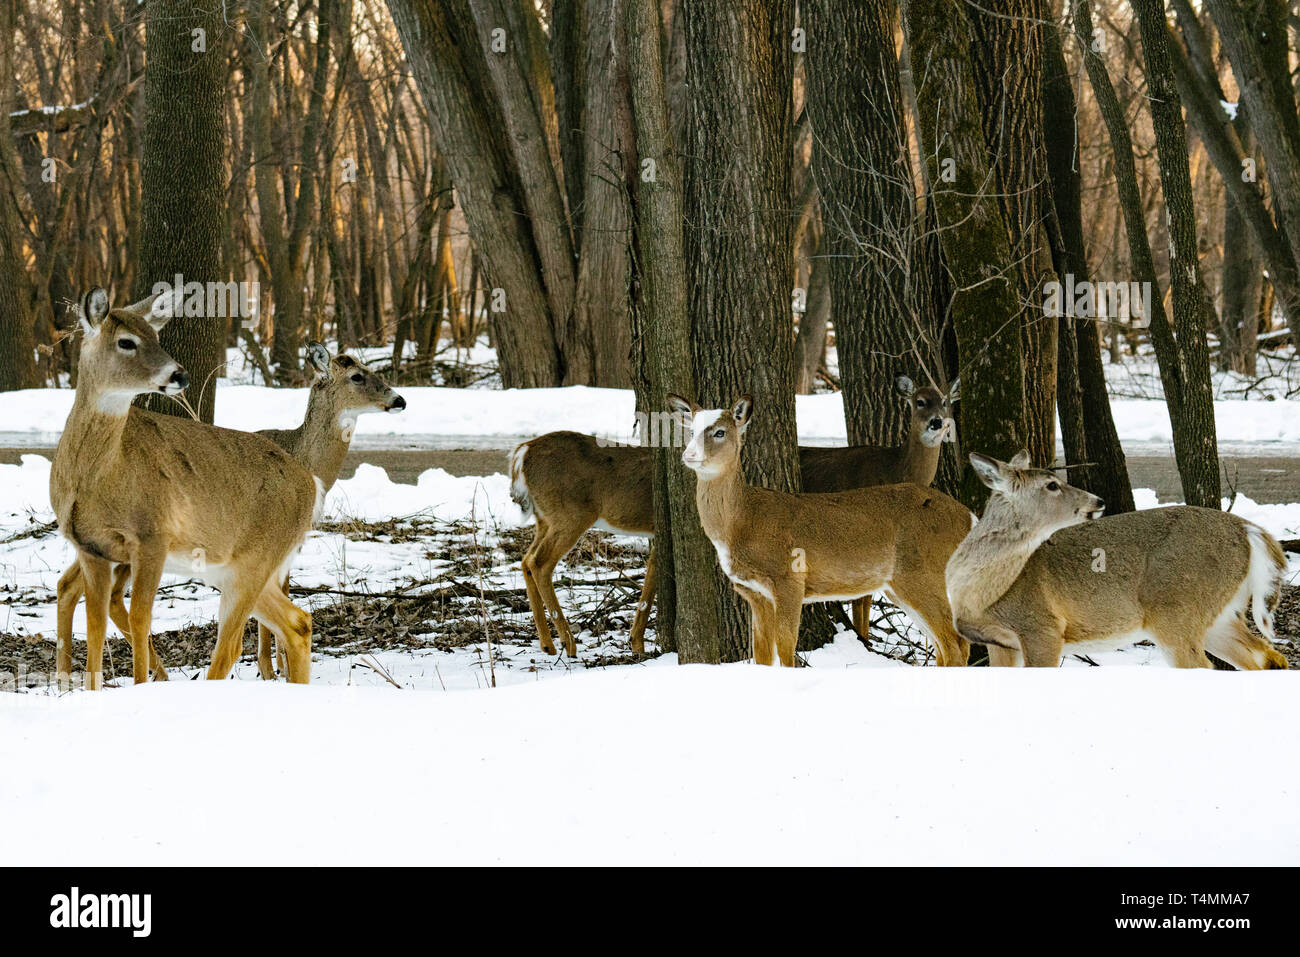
(183,183)
(1081,379)
(810,343)
(1199,456)
(1006,57)
(684,559)
(17,343)
(972,234)
(737,248)
(861,164)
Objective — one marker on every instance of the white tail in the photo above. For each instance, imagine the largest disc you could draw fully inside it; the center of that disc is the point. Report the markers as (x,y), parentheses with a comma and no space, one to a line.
(571,482)
(1041,575)
(155,492)
(782,550)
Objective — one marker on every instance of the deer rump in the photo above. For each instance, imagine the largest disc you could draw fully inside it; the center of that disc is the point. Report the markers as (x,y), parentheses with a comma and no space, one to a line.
(1181,572)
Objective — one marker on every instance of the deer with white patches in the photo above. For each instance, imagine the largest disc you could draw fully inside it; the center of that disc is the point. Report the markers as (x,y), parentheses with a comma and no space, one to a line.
(570,482)
(1042,575)
(343,388)
(156,492)
(782,550)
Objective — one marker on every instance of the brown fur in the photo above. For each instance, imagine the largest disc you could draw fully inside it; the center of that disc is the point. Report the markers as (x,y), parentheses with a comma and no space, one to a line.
(570,482)
(319,444)
(129,486)
(1170,573)
(781,549)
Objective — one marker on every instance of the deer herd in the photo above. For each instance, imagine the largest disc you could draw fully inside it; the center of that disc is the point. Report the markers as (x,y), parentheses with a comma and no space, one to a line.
(140,494)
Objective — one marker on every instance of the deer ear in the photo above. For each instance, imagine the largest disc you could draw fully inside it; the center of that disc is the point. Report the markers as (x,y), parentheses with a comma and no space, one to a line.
(344,362)
(742,410)
(905,385)
(1020,460)
(319,357)
(92,310)
(683,410)
(988,469)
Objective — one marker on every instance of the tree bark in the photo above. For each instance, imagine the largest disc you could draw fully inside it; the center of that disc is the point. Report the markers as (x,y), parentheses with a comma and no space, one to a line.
(863,172)
(684,559)
(17,342)
(183,182)
(972,234)
(1083,402)
(1199,456)
(737,243)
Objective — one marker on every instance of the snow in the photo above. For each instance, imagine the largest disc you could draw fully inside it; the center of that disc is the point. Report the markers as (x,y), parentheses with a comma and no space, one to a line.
(505,416)
(651,766)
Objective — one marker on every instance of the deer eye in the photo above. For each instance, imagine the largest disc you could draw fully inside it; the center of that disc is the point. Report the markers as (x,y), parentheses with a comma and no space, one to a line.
(127,345)
(1053,486)
(358,377)
(720,433)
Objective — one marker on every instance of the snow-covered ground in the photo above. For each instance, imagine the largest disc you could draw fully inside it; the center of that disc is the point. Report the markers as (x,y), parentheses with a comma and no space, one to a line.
(667,765)
(468,417)
(506,755)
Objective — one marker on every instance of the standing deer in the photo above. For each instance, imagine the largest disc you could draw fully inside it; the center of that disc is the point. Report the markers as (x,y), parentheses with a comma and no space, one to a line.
(782,549)
(861,466)
(129,486)
(343,389)
(1041,573)
(569,482)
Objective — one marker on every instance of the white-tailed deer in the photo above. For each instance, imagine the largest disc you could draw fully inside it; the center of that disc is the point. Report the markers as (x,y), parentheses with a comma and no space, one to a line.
(861,466)
(569,482)
(1041,574)
(781,550)
(343,389)
(156,492)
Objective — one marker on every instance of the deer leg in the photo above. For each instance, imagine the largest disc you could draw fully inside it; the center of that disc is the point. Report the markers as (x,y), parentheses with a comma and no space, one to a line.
(265,665)
(927,605)
(292,628)
(762,624)
(117,611)
(644,605)
(70,589)
(862,615)
(146,573)
(549,550)
(786,613)
(97,576)
(280,659)
(1043,649)
(535,603)
(1000,657)
(232,615)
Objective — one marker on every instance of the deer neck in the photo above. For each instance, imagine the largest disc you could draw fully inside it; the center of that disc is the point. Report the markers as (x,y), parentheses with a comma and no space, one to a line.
(96,424)
(992,556)
(324,436)
(719,500)
(918,463)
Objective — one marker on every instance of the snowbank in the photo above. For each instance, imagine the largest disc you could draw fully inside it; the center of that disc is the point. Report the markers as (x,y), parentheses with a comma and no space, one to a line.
(509,414)
(650,766)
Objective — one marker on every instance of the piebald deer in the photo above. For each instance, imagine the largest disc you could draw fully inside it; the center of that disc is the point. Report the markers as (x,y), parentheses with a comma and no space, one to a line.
(343,389)
(569,482)
(129,486)
(781,550)
(1041,574)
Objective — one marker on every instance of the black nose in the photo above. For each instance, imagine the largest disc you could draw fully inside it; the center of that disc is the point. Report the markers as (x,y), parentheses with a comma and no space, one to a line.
(399,403)
(181,379)
(936,423)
